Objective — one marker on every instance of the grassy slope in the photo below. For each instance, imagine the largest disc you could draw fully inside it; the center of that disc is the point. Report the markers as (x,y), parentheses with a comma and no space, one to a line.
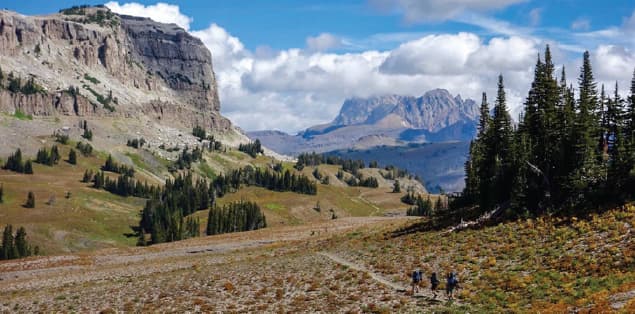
(92,219)
(89,219)
(545,265)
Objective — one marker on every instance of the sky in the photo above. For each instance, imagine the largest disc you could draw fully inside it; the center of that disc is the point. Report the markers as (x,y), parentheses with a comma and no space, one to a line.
(288,65)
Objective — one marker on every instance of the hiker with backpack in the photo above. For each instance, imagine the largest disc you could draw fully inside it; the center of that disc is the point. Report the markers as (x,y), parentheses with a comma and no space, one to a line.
(434,284)
(416,279)
(451,284)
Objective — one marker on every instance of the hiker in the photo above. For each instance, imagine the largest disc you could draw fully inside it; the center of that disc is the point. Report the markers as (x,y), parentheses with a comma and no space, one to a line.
(416,279)
(434,283)
(451,284)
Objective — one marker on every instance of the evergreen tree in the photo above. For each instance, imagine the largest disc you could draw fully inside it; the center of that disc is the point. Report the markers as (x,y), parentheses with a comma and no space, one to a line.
(566,159)
(28,167)
(88,176)
(629,130)
(482,159)
(566,153)
(235,217)
(88,134)
(21,246)
(541,125)
(396,188)
(14,162)
(421,208)
(55,155)
(30,200)
(72,157)
(500,148)
(619,160)
(586,132)
(8,250)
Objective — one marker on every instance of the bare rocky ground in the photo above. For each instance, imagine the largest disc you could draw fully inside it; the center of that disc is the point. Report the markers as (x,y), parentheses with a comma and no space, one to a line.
(285,269)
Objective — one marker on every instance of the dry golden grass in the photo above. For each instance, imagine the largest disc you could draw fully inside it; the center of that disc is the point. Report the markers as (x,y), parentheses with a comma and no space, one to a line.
(254,275)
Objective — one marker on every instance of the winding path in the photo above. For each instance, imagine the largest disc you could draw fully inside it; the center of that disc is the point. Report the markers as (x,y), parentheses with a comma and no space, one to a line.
(424,292)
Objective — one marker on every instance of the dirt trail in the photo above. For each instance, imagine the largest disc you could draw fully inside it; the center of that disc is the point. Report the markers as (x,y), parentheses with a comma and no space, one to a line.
(423,292)
(361,268)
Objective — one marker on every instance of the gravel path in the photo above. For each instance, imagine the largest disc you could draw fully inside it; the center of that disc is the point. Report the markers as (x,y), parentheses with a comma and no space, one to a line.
(423,292)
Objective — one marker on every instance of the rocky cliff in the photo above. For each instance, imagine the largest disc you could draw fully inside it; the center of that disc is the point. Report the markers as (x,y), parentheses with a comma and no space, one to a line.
(119,66)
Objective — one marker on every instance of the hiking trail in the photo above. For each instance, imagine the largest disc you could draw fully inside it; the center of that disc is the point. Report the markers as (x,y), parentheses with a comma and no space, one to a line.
(424,292)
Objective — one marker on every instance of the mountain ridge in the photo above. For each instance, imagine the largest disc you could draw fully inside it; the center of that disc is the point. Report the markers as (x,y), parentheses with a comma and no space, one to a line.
(378,124)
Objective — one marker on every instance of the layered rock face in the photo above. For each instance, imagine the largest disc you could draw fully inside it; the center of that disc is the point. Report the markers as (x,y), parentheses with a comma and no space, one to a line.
(180,59)
(121,66)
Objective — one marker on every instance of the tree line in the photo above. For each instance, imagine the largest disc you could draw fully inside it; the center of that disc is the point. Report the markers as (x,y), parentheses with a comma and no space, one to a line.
(251,149)
(567,154)
(271,180)
(315,159)
(424,207)
(14,163)
(112,166)
(235,217)
(44,157)
(163,214)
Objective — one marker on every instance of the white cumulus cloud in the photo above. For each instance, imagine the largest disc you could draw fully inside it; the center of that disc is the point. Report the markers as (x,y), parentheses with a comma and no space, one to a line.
(160,12)
(323,42)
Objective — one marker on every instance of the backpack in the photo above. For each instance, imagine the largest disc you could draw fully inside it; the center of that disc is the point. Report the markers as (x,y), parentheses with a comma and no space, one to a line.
(434,280)
(416,276)
(454,281)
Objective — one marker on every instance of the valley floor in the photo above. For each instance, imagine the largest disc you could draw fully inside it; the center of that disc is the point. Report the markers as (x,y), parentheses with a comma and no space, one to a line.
(278,269)
(353,264)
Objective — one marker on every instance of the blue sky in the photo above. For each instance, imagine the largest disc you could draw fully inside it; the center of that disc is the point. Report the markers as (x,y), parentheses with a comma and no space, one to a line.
(283,24)
(290,64)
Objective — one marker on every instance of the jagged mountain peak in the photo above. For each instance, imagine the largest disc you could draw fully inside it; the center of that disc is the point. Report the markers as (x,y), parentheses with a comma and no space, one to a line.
(433,111)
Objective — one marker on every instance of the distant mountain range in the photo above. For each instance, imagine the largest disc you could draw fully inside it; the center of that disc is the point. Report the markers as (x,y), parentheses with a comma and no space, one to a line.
(377,123)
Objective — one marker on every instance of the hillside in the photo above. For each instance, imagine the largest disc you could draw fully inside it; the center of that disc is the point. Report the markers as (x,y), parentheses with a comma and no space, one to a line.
(92,218)
(547,265)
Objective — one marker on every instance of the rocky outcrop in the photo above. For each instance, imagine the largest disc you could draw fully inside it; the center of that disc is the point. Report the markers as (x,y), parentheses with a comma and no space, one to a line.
(139,62)
(49,104)
(433,111)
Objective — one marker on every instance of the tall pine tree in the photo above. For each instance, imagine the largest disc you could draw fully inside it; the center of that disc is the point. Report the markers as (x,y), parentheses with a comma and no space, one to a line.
(500,147)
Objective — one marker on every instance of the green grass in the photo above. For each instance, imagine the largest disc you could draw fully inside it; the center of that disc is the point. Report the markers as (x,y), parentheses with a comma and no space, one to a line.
(206,170)
(91,79)
(138,161)
(22,116)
